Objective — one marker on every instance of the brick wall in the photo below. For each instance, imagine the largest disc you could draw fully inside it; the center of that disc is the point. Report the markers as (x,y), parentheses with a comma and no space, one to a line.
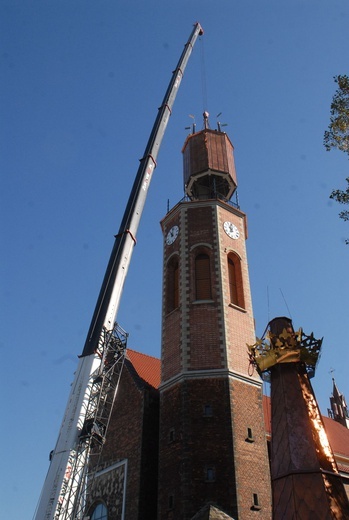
(204,454)
(250,448)
(192,441)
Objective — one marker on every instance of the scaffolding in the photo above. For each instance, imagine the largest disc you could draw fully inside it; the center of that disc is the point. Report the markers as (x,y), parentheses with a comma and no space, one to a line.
(103,389)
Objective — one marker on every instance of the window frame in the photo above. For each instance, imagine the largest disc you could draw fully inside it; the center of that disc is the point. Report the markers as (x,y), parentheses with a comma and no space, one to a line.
(210,474)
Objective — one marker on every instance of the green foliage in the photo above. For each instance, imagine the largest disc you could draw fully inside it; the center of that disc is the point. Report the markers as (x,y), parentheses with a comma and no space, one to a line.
(337,135)
(342,197)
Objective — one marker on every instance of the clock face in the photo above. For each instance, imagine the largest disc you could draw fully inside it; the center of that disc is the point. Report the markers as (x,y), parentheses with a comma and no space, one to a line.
(231,230)
(172,235)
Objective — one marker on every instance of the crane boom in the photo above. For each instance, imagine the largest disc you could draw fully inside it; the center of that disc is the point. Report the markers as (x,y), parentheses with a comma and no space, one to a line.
(61,497)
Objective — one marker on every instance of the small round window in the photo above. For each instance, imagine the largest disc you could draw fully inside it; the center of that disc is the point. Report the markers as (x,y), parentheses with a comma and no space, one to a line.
(100,513)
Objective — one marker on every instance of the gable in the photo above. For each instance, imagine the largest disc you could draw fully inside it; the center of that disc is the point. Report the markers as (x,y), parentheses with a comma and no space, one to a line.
(148,368)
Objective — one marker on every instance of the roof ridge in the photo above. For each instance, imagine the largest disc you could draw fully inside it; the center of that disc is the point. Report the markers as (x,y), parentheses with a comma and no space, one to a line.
(141,353)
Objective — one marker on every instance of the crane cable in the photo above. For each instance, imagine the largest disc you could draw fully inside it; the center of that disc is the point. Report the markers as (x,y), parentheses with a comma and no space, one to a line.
(203,76)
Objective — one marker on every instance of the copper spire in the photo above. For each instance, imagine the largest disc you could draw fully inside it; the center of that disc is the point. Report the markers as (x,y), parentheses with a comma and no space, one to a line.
(305,478)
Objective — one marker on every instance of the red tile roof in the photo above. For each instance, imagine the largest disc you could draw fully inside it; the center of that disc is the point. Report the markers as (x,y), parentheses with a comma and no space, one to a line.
(338,436)
(147,367)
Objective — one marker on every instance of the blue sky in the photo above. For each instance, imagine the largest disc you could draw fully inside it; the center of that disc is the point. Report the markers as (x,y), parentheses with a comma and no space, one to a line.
(80,86)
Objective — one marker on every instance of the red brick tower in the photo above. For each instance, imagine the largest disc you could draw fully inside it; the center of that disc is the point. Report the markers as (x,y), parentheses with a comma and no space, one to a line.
(212,439)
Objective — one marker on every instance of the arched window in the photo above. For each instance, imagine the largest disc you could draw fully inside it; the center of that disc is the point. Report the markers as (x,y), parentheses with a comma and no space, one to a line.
(235,281)
(100,512)
(202,277)
(172,284)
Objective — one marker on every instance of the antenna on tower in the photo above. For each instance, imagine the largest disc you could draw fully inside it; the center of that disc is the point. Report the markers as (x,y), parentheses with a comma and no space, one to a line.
(193,127)
(219,124)
(282,294)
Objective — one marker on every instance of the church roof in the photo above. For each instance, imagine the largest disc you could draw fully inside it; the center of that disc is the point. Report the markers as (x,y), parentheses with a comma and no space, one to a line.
(338,436)
(147,367)
(335,392)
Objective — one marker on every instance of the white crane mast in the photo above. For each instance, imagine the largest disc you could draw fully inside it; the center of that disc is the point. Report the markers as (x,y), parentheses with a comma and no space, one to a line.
(88,410)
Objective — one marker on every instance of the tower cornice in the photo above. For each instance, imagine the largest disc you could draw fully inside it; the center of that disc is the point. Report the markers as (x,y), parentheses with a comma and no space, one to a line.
(209,374)
(203,203)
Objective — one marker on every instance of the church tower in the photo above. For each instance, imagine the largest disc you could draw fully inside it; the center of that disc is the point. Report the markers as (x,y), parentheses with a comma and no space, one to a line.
(339,410)
(212,439)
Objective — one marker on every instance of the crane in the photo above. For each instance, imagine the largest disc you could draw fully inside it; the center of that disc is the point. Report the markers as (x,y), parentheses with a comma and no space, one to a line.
(95,383)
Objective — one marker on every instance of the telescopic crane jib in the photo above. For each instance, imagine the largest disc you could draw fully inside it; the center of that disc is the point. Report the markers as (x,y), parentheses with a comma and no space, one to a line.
(96,379)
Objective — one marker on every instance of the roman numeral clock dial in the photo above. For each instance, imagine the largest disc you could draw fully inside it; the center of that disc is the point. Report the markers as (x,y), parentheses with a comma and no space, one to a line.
(172,235)
(231,230)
